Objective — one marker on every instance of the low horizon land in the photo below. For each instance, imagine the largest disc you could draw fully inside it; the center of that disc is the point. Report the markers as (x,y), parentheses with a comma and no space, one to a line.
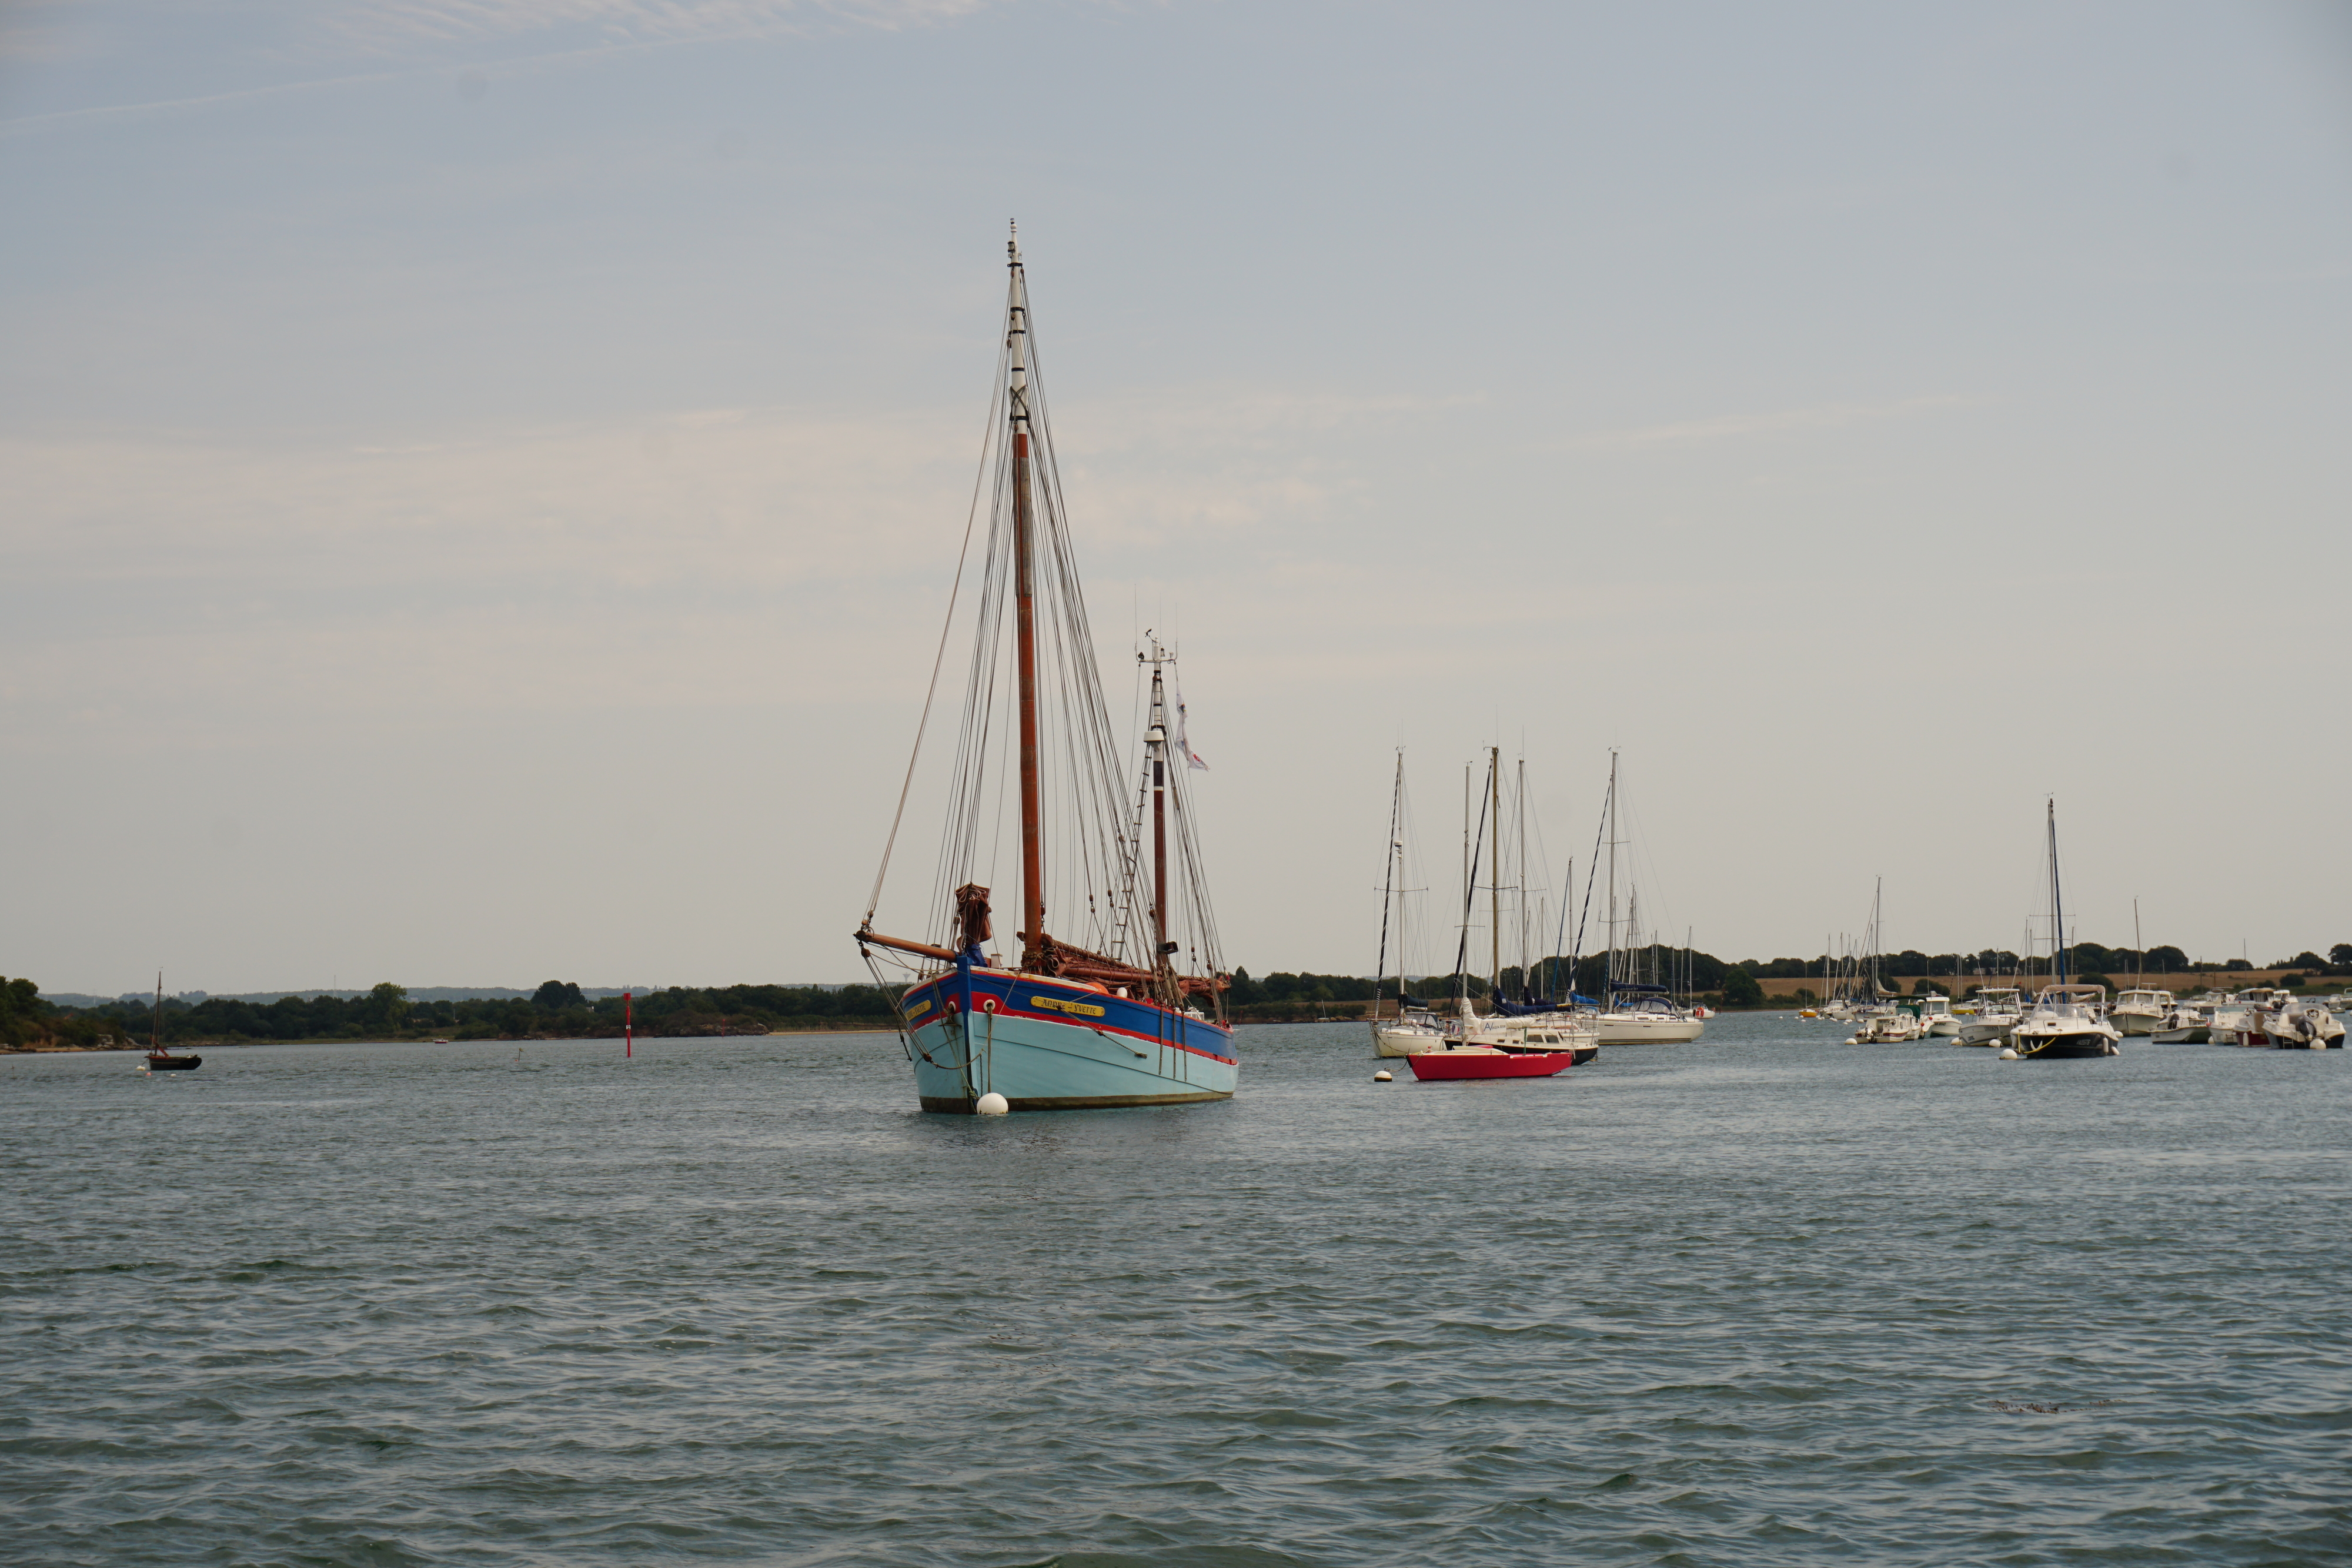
(1777,975)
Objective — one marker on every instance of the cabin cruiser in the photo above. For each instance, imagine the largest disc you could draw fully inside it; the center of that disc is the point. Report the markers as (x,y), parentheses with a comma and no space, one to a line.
(1998,1009)
(1643,1015)
(1568,1031)
(2184,1023)
(2066,1021)
(2140,1011)
(1936,1015)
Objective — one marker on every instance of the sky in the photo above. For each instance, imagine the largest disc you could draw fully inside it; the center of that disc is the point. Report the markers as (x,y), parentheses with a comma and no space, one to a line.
(482,480)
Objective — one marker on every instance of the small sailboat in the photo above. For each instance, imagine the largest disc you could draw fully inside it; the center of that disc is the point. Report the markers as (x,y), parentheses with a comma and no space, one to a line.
(159,1055)
(1413,1027)
(1635,1012)
(2067,1021)
(1110,1018)
(1463,1062)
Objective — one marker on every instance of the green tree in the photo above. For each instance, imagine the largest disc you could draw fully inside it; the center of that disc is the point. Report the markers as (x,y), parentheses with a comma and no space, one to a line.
(558,994)
(1741,989)
(386,1005)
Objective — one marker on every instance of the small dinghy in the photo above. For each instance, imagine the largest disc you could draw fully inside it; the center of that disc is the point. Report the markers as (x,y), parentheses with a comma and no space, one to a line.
(1486,1061)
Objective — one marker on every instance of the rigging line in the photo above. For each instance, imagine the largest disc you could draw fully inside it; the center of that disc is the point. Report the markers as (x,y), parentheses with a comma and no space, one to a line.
(1600,828)
(1388,878)
(972,516)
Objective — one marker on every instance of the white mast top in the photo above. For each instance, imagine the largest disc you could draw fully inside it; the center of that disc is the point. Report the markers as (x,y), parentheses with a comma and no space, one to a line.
(1017,334)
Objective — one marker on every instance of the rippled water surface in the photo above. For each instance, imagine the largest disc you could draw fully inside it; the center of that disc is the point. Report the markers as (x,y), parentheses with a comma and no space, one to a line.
(1770,1299)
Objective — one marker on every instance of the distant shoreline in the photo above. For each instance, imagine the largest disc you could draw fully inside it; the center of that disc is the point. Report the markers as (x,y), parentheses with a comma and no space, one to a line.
(184,1047)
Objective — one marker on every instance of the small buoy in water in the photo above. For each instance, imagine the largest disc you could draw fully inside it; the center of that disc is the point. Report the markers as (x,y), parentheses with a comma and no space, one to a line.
(1382,1076)
(2008,1055)
(992,1105)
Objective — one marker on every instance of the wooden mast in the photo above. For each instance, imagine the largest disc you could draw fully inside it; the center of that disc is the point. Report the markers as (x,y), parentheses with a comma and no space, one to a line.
(1156,738)
(1025,617)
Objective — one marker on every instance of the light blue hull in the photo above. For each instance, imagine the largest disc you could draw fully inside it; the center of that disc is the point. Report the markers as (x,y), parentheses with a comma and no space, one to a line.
(1102,1051)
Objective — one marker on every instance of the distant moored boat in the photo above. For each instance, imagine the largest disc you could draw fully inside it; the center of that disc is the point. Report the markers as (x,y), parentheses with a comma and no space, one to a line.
(159,1055)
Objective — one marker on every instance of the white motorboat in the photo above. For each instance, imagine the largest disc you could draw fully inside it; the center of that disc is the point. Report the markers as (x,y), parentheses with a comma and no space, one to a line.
(1936,1015)
(1886,1029)
(2139,1011)
(1577,1032)
(1998,1009)
(2302,1023)
(2066,1021)
(2183,1023)
(2243,1019)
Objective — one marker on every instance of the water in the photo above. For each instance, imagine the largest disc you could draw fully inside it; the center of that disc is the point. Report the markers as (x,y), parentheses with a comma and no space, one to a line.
(1774,1299)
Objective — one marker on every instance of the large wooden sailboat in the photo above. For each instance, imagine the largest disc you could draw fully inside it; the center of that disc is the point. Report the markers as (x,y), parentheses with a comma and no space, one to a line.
(1109,1016)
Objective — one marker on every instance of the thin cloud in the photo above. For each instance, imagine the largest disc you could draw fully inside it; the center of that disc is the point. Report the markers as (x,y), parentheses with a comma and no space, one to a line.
(406,38)
(403,27)
(1827,416)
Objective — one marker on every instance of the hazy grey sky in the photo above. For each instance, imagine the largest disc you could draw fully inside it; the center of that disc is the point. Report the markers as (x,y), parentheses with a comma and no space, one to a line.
(481,479)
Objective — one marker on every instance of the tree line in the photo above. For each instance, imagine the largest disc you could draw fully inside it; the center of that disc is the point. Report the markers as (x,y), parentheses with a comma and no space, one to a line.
(558,1009)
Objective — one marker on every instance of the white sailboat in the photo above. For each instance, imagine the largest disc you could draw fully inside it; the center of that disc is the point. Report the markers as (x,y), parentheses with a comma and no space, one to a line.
(1410,1029)
(1634,1012)
(2067,1021)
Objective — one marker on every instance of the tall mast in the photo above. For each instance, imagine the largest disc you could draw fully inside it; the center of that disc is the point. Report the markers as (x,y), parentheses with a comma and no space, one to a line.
(155,1029)
(1525,983)
(1612,976)
(1389,869)
(1495,871)
(1461,959)
(2057,904)
(1024,608)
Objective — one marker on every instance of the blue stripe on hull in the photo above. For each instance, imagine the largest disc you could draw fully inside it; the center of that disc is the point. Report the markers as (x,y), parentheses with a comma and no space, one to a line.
(1053,1063)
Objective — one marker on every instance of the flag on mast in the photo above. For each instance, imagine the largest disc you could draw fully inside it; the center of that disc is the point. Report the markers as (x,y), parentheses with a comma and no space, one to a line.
(1192,757)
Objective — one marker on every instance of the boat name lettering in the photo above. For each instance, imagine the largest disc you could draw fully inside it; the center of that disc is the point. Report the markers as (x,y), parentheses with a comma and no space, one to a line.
(1084,1010)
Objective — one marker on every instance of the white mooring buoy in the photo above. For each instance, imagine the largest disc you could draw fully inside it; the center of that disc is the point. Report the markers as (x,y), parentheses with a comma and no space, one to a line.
(2009,1056)
(1382,1076)
(992,1105)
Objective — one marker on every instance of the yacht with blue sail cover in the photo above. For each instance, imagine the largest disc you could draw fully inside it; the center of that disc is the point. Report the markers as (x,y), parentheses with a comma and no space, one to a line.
(1130,1009)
